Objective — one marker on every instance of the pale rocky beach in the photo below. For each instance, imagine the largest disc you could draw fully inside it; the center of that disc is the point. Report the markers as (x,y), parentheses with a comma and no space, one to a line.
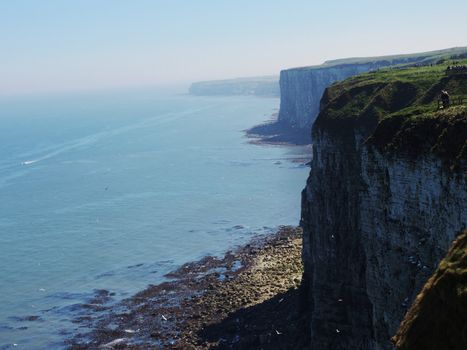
(246,300)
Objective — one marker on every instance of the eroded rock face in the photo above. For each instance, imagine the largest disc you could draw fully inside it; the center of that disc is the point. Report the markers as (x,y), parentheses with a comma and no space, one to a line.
(301,90)
(375,228)
(438,317)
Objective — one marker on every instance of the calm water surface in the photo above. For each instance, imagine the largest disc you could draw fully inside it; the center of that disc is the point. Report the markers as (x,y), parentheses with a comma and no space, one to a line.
(113,190)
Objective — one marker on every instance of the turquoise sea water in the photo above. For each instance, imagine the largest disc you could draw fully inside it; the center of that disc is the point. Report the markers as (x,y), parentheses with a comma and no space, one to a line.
(113,190)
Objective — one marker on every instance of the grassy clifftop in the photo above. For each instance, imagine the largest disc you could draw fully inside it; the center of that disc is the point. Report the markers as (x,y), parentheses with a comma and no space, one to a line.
(421,57)
(438,318)
(398,110)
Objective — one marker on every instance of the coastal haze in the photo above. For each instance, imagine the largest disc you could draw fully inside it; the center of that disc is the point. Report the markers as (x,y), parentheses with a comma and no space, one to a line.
(57,46)
(155,156)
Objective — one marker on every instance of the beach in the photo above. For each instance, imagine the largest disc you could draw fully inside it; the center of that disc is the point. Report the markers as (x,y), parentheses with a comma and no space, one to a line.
(248,299)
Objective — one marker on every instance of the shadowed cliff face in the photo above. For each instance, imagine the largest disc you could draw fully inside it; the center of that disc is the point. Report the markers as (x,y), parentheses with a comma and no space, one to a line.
(377,219)
(438,318)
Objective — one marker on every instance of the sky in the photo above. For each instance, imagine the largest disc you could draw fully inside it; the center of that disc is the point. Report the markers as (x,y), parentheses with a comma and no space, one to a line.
(60,45)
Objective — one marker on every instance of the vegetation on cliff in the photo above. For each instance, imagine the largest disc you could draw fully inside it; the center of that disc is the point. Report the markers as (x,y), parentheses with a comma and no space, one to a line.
(420,58)
(438,318)
(398,110)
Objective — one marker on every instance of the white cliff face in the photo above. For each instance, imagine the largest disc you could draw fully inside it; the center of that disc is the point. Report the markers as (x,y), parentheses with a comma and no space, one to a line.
(301,90)
(375,228)
(410,212)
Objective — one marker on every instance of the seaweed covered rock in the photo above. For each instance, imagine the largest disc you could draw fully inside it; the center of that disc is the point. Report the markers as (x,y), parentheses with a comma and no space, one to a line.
(438,318)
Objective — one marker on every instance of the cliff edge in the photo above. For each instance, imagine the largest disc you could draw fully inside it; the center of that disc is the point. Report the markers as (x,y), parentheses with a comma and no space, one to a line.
(386,196)
(301,88)
(438,318)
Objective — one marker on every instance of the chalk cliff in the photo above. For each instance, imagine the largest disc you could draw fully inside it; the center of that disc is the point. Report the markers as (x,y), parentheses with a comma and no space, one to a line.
(255,86)
(386,196)
(301,88)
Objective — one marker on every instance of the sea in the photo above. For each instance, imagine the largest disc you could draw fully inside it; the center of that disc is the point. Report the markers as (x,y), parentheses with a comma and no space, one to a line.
(111,190)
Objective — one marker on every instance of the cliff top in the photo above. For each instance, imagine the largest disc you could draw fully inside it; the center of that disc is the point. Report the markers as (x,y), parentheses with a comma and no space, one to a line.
(422,57)
(398,110)
(437,318)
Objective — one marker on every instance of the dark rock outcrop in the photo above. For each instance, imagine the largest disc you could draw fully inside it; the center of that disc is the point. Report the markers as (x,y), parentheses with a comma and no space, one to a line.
(438,318)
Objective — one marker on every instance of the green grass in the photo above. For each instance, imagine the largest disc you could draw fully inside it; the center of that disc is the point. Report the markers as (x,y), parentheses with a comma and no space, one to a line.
(397,109)
(422,57)
(438,316)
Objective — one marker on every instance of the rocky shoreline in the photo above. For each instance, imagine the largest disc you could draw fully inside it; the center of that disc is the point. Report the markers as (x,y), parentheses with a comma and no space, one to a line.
(249,299)
(274,132)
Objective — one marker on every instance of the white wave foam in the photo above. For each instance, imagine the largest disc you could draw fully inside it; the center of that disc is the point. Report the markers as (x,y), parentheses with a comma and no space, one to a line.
(28,162)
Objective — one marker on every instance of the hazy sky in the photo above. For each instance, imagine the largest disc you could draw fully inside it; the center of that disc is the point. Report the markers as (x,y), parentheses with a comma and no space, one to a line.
(55,45)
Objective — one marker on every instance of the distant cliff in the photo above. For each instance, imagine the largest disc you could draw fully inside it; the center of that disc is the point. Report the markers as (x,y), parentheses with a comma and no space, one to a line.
(301,88)
(256,86)
(386,196)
